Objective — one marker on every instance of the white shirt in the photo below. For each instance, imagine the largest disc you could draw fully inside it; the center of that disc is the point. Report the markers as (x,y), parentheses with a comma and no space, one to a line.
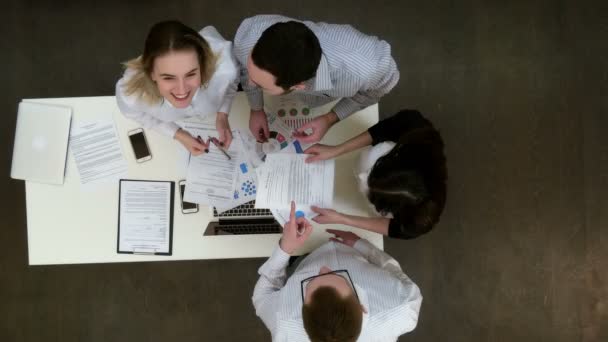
(367,160)
(216,97)
(392,300)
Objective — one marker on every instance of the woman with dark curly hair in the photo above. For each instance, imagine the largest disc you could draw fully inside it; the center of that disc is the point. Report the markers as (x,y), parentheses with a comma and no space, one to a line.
(403,176)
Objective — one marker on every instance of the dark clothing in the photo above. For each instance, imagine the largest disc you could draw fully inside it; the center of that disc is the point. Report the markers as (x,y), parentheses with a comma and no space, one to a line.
(419,150)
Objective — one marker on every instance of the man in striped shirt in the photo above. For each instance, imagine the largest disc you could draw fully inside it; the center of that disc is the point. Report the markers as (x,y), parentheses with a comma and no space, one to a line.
(345,290)
(318,62)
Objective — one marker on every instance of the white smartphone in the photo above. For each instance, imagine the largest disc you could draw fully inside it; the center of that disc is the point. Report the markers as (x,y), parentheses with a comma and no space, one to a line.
(187,207)
(140,145)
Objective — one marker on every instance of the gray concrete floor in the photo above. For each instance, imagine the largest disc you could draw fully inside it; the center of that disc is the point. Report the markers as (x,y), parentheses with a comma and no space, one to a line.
(518,90)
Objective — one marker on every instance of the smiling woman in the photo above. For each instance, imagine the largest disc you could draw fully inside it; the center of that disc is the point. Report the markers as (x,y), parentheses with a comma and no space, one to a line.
(181,73)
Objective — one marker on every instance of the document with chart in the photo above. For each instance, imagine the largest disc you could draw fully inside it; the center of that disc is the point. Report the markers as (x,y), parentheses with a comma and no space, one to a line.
(211,177)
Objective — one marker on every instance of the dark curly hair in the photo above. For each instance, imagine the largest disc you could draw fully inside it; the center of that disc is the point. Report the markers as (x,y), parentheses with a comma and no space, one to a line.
(410,182)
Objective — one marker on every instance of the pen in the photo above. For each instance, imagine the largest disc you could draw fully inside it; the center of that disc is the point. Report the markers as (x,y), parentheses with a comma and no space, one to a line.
(202,142)
(216,143)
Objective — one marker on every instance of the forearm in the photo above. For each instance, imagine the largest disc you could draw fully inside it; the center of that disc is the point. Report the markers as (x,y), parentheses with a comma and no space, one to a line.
(374,224)
(360,141)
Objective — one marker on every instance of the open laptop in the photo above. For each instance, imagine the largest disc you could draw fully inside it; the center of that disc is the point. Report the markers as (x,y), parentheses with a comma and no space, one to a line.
(41,142)
(242,220)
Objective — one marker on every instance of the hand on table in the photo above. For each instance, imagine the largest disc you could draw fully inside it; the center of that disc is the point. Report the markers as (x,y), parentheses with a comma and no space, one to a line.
(320,152)
(319,126)
(344,237)
(327,216)
(194,145)
(223,129)
(258,124)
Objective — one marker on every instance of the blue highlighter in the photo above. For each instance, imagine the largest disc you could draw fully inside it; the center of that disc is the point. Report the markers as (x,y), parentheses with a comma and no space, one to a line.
(300,229)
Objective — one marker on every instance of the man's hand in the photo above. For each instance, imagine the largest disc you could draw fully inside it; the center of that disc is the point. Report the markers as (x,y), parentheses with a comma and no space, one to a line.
(319,125)
(194,145)
(342,236)
(320,152)
(295,232)
(258,124)
(223,129)
(328,216)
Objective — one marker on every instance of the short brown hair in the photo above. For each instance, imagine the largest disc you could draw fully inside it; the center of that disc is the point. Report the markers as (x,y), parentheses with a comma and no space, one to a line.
(165,37)
(329,317)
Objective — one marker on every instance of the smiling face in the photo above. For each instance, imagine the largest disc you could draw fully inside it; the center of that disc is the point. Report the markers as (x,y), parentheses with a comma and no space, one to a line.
(331,280)
(177,76)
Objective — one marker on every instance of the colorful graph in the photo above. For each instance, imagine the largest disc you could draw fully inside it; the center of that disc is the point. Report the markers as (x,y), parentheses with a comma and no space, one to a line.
(248,188)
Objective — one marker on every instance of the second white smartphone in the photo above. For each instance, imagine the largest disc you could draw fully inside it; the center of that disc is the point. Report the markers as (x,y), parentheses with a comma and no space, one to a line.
(187,207)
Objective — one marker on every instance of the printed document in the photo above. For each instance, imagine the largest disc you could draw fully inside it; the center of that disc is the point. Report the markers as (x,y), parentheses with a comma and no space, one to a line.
(97,152)
(145,217)
(285,177)
(211,177)
(246,182)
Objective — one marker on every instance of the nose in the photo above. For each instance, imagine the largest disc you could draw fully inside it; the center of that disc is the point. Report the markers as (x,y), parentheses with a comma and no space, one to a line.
(324,269)
(181,87)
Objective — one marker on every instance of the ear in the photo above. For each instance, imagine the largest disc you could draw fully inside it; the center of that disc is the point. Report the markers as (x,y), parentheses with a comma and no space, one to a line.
(299,86)
(363,309)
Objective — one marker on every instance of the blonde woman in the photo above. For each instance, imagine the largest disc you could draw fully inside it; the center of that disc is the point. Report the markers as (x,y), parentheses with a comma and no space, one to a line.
(181,73)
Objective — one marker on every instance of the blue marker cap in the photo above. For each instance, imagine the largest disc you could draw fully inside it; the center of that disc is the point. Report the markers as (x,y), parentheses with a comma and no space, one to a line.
(299,214)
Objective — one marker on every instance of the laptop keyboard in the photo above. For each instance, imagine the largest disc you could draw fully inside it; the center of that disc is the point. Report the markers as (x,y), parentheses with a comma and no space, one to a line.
(267,228)
(246,209)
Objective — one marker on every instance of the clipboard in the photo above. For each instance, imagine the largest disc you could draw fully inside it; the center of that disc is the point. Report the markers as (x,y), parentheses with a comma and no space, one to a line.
(148,246)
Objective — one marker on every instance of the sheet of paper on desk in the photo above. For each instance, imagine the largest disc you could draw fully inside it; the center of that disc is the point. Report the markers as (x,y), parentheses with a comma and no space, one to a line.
(293,112)
(246,183)
(286,177)
(97,152)
(211,177)
(145,216)
(279,141)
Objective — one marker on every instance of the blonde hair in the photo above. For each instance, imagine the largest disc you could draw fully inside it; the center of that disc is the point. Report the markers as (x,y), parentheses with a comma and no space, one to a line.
(163,38)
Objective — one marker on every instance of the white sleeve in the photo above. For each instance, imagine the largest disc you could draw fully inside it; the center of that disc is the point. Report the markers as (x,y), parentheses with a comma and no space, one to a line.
(129,108)
(405,316)
(226,68)
(267,289)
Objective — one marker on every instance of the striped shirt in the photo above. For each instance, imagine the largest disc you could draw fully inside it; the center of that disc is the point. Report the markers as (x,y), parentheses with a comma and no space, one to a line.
(392,300)
(355,67)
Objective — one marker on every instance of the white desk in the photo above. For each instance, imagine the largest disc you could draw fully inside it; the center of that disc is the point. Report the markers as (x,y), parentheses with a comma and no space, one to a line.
(70,225)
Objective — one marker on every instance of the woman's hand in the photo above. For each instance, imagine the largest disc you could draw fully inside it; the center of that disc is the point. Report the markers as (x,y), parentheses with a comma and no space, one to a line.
(194,145)
(328,216)
(320,152)
(223,129)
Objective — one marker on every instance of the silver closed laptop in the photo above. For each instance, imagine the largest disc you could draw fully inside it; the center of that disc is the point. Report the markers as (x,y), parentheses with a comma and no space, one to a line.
(41,142)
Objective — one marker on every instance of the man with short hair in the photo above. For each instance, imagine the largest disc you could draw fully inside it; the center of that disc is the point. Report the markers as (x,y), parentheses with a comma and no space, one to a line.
(345,290)
(318,62)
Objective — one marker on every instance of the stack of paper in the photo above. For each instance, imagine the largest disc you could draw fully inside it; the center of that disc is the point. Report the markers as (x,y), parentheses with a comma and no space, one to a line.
(212,179)
(286,177)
